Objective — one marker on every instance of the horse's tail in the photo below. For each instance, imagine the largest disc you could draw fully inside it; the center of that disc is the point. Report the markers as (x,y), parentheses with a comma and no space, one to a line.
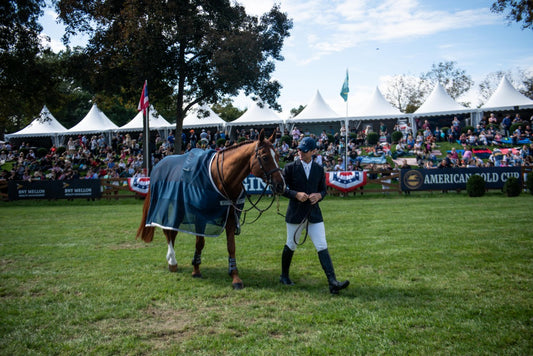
(146,233)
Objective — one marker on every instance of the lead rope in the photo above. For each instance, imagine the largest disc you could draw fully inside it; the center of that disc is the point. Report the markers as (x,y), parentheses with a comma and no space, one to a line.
(305,221)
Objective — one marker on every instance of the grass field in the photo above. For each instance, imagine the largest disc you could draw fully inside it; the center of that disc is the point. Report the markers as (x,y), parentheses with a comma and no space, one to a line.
(430,274)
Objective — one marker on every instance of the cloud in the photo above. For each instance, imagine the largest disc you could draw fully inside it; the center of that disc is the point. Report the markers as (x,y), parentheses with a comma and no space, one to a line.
(54,44)
(326,28)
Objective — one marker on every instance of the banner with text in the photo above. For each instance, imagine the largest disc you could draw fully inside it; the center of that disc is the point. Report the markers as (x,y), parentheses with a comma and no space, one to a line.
(56,189)
(255,185)
(455,178)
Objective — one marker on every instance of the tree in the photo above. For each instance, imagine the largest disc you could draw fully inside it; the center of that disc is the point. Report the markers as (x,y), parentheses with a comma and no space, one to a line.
(520,11)
(488,86)
(227,111)
(296,111)
(198,51)
(526,79)
(406,92)
(22,75)
(454,80)
(523,83)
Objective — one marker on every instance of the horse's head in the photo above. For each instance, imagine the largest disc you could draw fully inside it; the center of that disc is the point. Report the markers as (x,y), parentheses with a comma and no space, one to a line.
(265,163)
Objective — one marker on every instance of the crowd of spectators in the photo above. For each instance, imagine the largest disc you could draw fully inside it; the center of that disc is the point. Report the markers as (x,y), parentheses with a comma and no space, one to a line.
(121,156)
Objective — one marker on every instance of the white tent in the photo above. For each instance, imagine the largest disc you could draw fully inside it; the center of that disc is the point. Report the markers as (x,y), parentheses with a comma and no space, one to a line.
(440,103)
(136,124)
(202,117)
(257,115)
(378,106)
(94,122)
(506,97)
(316,111)
(45,124)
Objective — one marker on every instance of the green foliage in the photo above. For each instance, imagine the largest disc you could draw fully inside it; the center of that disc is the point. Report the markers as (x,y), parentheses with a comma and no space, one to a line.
(296,111)
(41,152)
(24,76)
(520,11)
(372,138)
(221,142)
(209,51)
(227,111)
(287,139)
(396,136)
(60,150)
(529,182)
(515,126)
(466,128)
(475,186)
(453,79)
(512,187)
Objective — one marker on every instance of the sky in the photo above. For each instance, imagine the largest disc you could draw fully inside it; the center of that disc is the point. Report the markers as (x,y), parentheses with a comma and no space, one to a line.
(375,40)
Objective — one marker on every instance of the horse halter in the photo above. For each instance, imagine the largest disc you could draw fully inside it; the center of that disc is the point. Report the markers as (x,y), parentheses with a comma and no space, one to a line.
(267,174)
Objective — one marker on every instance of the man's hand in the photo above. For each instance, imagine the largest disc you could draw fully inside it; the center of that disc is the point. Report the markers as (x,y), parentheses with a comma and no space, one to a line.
(315,198)
(302,196)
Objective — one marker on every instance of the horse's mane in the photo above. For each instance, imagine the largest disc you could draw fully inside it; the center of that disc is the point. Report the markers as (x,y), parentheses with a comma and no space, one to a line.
(237,145)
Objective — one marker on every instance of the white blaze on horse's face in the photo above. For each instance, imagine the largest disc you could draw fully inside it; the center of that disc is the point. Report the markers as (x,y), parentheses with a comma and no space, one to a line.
(273,153)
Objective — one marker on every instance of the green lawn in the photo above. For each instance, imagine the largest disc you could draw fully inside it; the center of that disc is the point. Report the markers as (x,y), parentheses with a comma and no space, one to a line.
(430,274)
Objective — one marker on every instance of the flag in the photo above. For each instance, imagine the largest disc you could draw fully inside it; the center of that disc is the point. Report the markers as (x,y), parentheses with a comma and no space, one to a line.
(345,89)
(143,102)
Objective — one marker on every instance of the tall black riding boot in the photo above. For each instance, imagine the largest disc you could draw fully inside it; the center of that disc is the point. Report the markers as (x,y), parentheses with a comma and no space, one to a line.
(334,285)
(286,259)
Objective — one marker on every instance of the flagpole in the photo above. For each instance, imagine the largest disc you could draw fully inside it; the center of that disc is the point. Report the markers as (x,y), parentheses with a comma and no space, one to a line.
(346,139)
(346,131)
(144,106)
(147,155)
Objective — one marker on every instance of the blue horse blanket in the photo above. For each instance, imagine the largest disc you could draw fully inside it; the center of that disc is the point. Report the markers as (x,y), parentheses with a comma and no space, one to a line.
(184,198)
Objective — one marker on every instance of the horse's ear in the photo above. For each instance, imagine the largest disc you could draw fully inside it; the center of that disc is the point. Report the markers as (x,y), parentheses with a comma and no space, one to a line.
(262,135)
(272,138)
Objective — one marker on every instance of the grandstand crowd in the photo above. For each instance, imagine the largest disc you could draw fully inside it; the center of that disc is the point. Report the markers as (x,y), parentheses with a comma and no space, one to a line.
(505,142)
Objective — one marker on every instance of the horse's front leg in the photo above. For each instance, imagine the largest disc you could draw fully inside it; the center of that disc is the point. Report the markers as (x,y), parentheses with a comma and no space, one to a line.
(197,259)
(232,262)
(171,255)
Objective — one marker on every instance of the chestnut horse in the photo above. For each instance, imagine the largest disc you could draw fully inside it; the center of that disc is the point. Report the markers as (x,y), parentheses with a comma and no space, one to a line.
(228,168)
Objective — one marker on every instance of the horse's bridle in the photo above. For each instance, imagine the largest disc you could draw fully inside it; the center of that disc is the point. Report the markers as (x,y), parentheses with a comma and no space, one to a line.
(267,175)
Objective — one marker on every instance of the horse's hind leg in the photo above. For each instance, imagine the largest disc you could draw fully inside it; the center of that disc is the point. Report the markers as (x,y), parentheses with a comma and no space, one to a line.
(171,255)
(197,259)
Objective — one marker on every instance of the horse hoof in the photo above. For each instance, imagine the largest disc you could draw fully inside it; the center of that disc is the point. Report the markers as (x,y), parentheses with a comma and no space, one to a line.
(173,268)
(238,286)
(198,275)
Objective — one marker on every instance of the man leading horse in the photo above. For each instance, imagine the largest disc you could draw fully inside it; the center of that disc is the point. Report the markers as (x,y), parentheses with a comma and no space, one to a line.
(306,186)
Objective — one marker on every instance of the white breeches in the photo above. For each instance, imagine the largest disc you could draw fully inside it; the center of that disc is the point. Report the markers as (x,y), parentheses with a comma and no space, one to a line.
(316,231)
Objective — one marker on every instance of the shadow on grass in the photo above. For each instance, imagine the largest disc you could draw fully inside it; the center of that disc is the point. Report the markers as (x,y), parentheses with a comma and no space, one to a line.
(261,280)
